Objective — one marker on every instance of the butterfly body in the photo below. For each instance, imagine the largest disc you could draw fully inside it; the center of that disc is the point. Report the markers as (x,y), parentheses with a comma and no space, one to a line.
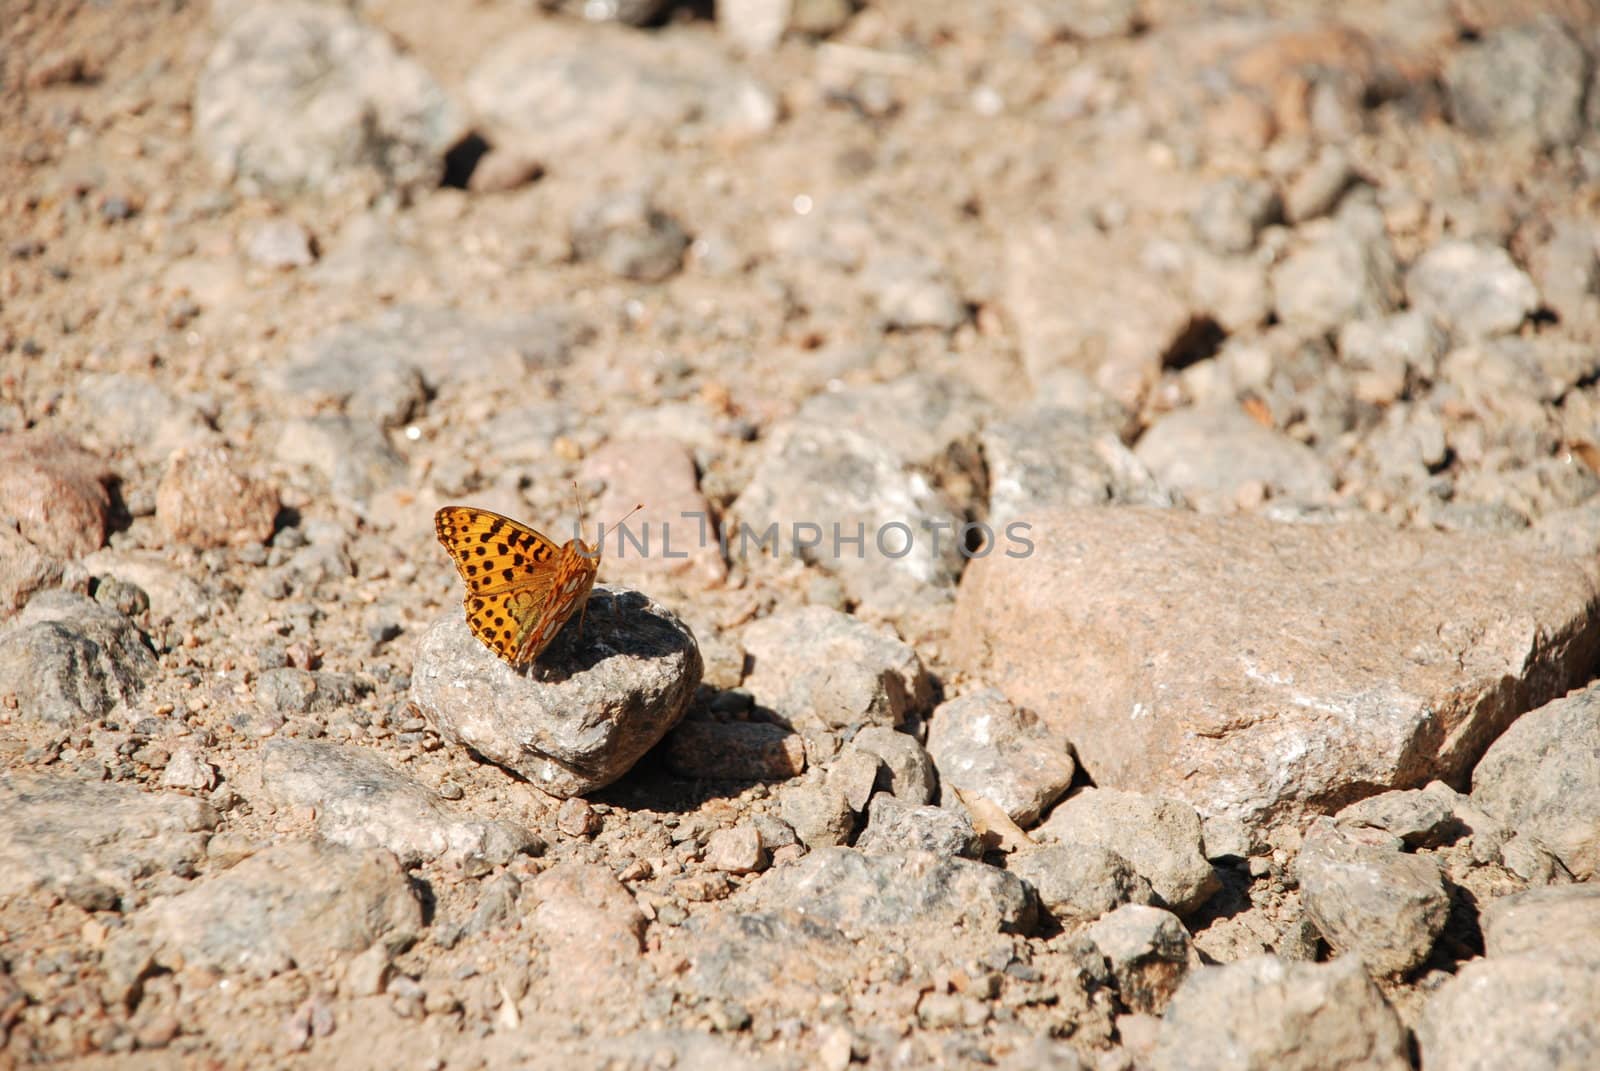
(521,587)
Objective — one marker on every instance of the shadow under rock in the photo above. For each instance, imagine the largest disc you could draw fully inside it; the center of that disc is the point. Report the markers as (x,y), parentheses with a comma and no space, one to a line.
(614,624)
(1229,901)
(651,786)
(1462,936)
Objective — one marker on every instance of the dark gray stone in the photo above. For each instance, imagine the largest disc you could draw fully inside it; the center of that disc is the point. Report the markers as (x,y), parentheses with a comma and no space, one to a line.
(819,667)
(1523,82)
(897,826)
(497,904)
(734,955)
(819,814)
(363,802)
(735,750)
(1160,837)
(866,893)
(906,771)
(1264,1014)
(299,903)
(1080,882)
(67,659)
(584,713)
(287,690)
(1542,776)
(1368,898)
(982,744)
(630,238)
(1148,951)
(94,841)
(300,96)
(855,773)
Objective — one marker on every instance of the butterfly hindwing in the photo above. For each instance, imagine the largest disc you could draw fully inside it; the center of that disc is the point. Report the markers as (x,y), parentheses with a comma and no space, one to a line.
(573,580)
(500,620)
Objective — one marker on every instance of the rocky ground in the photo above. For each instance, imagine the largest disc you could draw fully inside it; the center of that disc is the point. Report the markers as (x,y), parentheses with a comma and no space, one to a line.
(1182,428)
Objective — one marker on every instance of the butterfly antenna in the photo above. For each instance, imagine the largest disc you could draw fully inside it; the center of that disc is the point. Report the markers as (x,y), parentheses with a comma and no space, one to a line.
(618,525)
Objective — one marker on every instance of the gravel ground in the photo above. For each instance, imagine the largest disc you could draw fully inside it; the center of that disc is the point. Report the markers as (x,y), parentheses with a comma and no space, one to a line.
(1118,584)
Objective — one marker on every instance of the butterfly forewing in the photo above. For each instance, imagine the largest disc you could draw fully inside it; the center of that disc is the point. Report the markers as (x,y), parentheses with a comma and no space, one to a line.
(521,587)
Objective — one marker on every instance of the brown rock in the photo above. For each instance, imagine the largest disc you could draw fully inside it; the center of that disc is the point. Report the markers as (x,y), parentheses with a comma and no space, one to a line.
(1082,300)
(1560,923)
(577,818)
(737,851)
(504,169)
(206,501)
(816,665)
(1284,64)
(56,492)
(1542,777)
(1257,669)
(1481,16)
(703,888)
(586,913)
(672,535)
(24,569)
(1513,1011)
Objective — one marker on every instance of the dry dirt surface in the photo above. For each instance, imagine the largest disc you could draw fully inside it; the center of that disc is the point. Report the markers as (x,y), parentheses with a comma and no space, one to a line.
(1116,586)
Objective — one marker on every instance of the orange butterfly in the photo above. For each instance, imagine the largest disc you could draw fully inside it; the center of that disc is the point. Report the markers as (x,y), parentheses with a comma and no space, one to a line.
(521,587)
